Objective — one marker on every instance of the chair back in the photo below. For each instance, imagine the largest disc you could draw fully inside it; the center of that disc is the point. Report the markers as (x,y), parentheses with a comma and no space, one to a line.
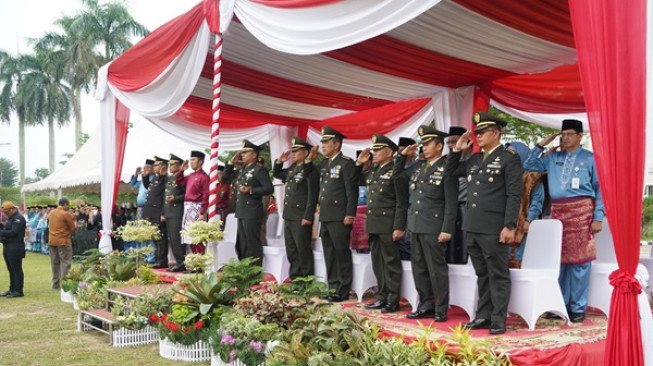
(231,228)
(271,226)
(543,245)
(605,245)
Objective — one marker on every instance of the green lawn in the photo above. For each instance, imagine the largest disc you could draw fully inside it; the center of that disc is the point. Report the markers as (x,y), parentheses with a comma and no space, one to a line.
(39,329)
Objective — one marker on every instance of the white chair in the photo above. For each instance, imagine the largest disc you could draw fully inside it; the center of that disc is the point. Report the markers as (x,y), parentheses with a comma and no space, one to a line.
(275,262)
(363,275)
(408,290)
(273,235)
(463,287)
(319,265)
(535,288)
(600,291)
(224,250)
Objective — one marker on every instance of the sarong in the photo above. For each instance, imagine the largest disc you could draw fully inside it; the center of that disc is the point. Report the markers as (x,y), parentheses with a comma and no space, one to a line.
(191,214)
(576,213)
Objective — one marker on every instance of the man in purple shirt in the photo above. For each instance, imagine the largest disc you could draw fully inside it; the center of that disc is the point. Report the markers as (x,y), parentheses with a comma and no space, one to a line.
(196,200)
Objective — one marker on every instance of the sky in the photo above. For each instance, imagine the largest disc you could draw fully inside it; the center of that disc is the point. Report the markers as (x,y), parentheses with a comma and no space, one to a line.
(18,22)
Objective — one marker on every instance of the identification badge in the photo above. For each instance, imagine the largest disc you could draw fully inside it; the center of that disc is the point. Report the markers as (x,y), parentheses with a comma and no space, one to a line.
(575,182)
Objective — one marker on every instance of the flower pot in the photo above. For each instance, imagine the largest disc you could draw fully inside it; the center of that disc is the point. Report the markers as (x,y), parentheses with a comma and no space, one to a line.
(217,361)
(124,337)
(67,297)
(197,352)
(75,304)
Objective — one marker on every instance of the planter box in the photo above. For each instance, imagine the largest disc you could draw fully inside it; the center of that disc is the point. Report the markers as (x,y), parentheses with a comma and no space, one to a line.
(67,297)
(124,337)
(217,361)
(75,304)
(198,352)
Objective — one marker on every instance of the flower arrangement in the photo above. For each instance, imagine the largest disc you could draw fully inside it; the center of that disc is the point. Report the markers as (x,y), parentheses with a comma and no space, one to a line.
(181,326)
(252,353)
(204,232)
(198,262)
(91,295)
(133,314)
(138,231)
(244,338)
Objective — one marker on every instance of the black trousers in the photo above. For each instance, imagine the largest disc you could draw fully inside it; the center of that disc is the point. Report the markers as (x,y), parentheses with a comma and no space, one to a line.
(248,242)
(161,254)
(490,260)
(174,237)
(430,271)
(386,263)
(337,255)
(298,248)
(457,246)
(14,254)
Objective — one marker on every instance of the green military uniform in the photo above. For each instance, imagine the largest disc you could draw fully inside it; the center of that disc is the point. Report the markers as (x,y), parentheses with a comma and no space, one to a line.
(434,196)
(249,206)
(338,198)
(152,212)
(300,199)
(387,205)
(173,211)
(494,186)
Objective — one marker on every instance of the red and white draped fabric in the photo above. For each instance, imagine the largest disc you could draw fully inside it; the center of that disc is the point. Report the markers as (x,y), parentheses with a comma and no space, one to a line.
(266,69)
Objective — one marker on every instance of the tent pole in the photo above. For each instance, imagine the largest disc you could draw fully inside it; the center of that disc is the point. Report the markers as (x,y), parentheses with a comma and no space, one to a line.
(215,128)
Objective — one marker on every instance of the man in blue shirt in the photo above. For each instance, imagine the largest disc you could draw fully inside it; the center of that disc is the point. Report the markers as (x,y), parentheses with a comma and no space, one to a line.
(576,201)
(138,184)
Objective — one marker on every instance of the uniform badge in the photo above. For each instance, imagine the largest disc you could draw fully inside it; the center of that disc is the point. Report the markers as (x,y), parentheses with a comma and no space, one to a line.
(412,186)
(490,179)
(437,182)
(582,163)
(576,169)
(469,178)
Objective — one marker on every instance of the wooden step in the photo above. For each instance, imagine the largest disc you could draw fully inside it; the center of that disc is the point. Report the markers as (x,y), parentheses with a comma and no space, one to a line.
(100,314)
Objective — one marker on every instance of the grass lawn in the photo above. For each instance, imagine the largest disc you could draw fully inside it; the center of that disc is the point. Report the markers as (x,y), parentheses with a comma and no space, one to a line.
(39,329)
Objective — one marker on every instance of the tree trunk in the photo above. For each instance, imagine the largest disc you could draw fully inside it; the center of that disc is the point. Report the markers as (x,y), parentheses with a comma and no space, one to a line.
(21,150)
(51,138)
(77,111)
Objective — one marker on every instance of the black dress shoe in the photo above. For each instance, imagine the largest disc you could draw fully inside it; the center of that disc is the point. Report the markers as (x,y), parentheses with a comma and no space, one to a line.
(497,328)
(4,294)
(421,314)
(158,266)
(336,298)
(391,307)
(577,317)
(378,304)
(176,269)
(440,316)
(552,316)
(15,294)
(478,323)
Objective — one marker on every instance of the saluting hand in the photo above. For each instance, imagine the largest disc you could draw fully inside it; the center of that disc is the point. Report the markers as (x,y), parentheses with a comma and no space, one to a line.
(235,159)
(410,150)
(138,171)
(313,154)
(507,236)
(364,156)
(184,165)
(284,156)
(547,140)
(464,142)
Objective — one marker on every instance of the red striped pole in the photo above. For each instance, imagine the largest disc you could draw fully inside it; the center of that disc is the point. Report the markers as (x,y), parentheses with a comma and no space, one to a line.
(215,127)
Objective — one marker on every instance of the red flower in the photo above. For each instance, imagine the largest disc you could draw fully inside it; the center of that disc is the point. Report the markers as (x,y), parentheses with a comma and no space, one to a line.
(153,318)
(164,317)
(186,330)
(172,327)
(198,325)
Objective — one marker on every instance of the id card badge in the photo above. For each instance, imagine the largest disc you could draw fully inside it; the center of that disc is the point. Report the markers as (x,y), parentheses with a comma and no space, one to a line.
(575,183)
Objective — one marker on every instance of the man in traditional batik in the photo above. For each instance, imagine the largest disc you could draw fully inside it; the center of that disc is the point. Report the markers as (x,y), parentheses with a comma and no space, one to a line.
(196,199)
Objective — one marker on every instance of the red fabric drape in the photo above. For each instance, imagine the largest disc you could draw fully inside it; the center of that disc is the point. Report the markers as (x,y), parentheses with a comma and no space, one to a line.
(144,61)
(294,3)
(481,103)
(211,9)
(555,91)
(122,126)
(611,42)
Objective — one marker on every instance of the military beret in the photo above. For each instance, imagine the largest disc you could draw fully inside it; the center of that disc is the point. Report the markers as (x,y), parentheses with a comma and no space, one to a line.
(160,160)
(149,162)
(572,124)
(249,146)
(298,143)
(484,120)
(329,133)
(428,133)
(176,158)
(380,141)
(457,131)
(197,154)
(405,141)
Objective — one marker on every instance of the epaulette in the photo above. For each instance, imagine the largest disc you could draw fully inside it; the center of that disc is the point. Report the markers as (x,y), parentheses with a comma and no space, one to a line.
(346,157)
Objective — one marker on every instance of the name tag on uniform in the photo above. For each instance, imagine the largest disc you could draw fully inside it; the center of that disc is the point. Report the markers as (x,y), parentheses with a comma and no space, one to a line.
(575,183)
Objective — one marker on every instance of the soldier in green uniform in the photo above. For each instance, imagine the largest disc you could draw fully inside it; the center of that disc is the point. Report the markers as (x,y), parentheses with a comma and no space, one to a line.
(431,220)
(387,205)
(494,187)
(173,212)
(253,182)
(338,199)
(300,199)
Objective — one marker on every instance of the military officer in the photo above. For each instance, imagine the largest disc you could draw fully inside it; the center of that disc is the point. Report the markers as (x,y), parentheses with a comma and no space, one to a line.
(300,199)
(173,212)
(431,220)
(153,209)
(387,207)
(253,182)
(457,249)
(338,200)
(494,189)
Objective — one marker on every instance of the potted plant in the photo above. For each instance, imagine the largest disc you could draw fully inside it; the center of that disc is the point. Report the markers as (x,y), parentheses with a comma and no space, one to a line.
(140,232)
(132,318)
(183,335)
(198,263)
(242,341)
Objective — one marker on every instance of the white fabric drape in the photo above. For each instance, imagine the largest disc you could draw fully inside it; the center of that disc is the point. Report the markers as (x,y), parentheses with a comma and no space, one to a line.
(453,107)
(544,119)
(108,155)
(313,30)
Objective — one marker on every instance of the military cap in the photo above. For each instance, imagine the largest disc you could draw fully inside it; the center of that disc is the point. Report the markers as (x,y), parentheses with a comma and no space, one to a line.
(220,167)
(457,131)
(149,162)
(380,141)
(428,133)
(484,120)
(160,160)
(405,141)
(572,124)
(197,154)
(298,143)
(329,133)
(176,158)
(250,146)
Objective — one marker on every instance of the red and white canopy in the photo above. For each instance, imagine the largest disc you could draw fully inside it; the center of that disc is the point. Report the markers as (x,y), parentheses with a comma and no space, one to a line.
(266,69)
